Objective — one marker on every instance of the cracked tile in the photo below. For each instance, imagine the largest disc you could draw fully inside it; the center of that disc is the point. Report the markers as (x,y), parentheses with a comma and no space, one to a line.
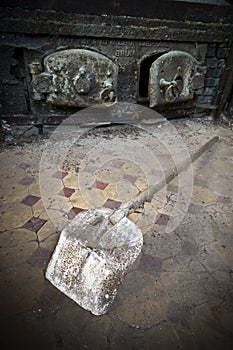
(46,230)
(15,237)
(34,224)
(10,217)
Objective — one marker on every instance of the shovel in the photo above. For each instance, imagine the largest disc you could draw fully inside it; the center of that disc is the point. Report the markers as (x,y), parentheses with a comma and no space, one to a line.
(96,249)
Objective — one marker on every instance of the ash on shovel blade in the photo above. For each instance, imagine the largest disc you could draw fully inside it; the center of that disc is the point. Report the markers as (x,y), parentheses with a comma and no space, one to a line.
(91,258)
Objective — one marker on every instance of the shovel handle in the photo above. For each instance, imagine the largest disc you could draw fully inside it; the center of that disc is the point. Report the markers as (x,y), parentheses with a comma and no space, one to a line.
(146,196)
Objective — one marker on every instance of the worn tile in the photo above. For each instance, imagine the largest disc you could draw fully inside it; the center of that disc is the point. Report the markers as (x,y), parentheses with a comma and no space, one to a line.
(15,237)
(50,242)
(46,230)
(210,330)
(30,200)
(24,165)
(60,222)
(50,301)
(12,192)
(13,256)
(100,185)
(195,209)
(109,174)
(132,169)
(90,169)
(34,224)
(34,188)
(26,181)
(202,287)
(141,183)
(112,204)
(111,191)
(40,258)
(19,290)
(67,192)
(172,188)
(73,212)
(146,298)
(180,314)
(161,244)
(202,195)
(150,264)
(117,163)
(224,200)
(71,181)
(159,336)
(94,197)
(60,174)
(163,219)
(130,178)
(50,186)
(38,208)
(14,215)
(189,248)
(57,201)
(134,217)
(77,200)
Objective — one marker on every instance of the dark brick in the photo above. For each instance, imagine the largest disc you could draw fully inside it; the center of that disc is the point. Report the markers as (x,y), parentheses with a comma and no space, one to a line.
(200,99)
(199,92)
(210,82)
(222,52)
(214,72)
(209,91)
(205,99)
(208,99)
(212,62)
(210,52)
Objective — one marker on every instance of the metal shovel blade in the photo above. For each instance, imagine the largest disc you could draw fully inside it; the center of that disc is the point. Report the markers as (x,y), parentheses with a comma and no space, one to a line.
(91,258)
(96,249)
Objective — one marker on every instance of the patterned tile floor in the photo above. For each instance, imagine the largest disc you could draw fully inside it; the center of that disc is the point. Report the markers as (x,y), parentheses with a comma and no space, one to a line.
(179,293)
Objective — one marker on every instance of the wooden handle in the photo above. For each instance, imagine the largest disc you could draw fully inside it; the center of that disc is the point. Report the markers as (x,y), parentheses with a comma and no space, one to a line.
(146,196)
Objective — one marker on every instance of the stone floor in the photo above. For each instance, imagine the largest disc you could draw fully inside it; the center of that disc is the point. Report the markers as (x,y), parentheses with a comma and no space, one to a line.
(179,293)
